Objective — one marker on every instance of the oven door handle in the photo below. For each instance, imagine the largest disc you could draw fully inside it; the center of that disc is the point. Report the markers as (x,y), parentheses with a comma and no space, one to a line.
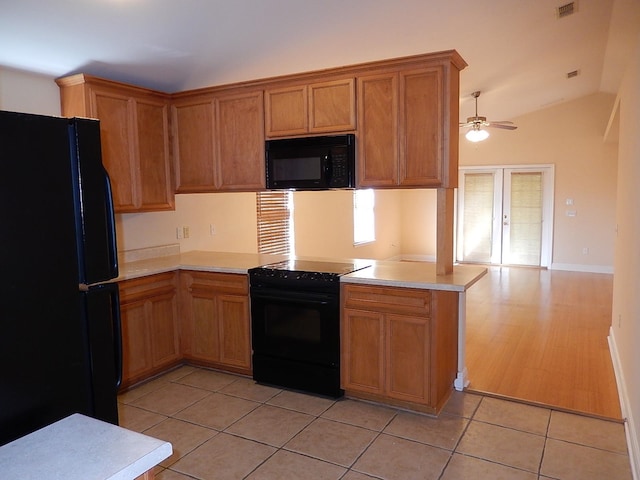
(293,296)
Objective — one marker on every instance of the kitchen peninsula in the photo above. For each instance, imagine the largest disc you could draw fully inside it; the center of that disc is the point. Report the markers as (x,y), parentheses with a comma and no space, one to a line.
(205,281)
(80,447)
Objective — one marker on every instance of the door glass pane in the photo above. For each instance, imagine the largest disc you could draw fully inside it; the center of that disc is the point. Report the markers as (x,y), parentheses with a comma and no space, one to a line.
(526,218)
(478,217)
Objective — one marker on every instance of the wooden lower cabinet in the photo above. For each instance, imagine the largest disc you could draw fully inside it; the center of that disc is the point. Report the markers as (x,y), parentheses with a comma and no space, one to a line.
(150,337)
(214,311)
(399,345)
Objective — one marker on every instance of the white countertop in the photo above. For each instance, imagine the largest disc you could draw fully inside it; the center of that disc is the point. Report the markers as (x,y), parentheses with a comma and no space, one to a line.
(381,272)
(222,262)
(81,448)
(416,275)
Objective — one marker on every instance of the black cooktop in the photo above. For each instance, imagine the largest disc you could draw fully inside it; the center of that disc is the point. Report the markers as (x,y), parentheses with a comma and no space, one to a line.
(338,268)
(304,271)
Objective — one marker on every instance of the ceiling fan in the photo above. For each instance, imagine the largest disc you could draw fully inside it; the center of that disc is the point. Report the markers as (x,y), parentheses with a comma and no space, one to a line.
(476,133)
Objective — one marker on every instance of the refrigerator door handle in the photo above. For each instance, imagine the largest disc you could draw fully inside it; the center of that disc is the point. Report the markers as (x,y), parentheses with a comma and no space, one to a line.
(117,334)
(111,231)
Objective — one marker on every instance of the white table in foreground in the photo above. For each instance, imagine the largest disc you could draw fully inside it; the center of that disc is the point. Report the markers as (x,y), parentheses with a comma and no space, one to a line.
(80,447)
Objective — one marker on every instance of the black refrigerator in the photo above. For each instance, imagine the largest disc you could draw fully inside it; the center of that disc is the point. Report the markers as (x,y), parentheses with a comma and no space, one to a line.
(60,338)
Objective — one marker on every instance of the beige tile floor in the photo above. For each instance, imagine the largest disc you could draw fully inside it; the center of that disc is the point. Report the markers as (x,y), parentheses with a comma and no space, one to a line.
(224,426)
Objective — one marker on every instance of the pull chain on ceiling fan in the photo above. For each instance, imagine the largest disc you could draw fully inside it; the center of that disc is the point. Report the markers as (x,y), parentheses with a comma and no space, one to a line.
(476,132)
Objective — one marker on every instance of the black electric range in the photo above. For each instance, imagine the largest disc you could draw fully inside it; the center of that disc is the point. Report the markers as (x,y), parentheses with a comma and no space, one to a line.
(295,324)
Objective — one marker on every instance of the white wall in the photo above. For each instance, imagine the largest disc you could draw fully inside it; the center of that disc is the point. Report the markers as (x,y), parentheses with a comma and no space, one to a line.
(324,225)
(28,92)
(569,135)
(233,216)
(418,224)
(625,329)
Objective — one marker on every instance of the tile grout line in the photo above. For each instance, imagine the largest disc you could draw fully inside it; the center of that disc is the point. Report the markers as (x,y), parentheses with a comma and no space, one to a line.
(455,447)
(320,415)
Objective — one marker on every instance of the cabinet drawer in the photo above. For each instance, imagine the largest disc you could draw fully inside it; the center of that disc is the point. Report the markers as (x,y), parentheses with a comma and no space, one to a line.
(142,288)
(405,301)
(231,283)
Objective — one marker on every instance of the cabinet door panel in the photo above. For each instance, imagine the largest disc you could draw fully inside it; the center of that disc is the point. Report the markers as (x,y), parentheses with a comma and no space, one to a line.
(363,351)
(235,348)
(286,111)
(136,346)
(332,106)
(421,114)
(153,155)
(193,125)
(116,137)
(240,138)
(205,335)
(164,346)
(408,358)
(378,131)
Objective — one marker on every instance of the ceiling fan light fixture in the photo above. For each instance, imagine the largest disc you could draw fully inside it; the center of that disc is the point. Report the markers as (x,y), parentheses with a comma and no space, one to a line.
(476,134)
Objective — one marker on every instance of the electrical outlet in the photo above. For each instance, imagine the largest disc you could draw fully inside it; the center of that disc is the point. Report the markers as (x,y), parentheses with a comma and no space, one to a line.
(179,233)
(585,251)
(212,229)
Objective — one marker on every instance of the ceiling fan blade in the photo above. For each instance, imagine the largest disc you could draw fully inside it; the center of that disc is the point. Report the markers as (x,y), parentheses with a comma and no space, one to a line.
(504,122)
(500,125)
(467,124)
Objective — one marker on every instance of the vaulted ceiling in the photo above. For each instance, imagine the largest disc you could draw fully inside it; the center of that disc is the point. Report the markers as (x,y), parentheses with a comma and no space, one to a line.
(519,51)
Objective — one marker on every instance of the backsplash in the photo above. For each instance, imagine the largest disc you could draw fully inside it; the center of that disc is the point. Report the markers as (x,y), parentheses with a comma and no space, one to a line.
(149,252)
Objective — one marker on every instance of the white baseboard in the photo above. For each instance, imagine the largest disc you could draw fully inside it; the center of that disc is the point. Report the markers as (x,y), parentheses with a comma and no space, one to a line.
(633,444)
(575,267)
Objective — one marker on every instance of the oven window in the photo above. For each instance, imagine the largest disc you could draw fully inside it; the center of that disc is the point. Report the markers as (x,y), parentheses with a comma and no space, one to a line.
(287,322)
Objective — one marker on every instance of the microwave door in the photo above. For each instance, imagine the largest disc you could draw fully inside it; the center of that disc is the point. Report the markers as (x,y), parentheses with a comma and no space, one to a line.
(308,171)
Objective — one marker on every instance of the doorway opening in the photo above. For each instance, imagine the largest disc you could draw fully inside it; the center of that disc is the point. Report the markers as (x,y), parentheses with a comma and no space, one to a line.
(505,215)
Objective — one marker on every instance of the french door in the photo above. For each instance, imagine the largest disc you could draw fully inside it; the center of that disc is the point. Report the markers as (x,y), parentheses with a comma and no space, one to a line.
(505,215)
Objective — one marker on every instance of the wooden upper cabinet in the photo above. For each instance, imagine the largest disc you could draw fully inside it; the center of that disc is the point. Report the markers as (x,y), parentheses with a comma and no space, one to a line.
(421,128)
(408,126)
(332,106)
(377,160)
(115,112)
(193,126)
(154,158)
(240,141)
(218,142)
(134,132)
(321,107)
(286,111)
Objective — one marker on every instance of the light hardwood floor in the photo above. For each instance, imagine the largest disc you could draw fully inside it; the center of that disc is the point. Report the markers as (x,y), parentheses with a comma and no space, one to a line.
(541,336)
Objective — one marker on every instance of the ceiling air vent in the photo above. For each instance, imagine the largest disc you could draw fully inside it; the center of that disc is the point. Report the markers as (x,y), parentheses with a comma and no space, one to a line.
(573,74)
(567,9)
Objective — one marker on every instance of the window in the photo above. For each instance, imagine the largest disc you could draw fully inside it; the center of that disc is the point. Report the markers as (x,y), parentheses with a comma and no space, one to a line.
(364,220)
(275,222)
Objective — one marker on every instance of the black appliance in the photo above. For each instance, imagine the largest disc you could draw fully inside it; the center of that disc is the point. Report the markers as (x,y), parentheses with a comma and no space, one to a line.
(60,341)
(311,163)
(295,324)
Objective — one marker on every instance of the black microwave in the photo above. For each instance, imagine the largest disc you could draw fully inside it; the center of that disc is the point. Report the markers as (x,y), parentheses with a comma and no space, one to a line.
(311,163)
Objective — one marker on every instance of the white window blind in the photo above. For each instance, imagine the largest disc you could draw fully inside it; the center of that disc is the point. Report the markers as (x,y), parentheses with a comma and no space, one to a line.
(478,216)
(275,222)
(526,218)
